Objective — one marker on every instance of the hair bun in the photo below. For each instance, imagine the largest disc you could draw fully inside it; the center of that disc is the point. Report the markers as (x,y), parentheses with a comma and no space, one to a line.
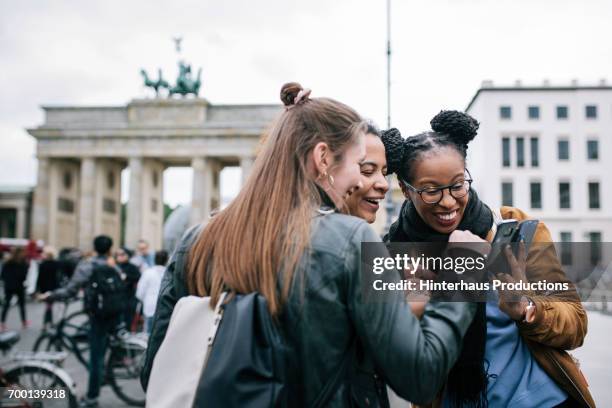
(394,149)
(458,125)
(289,92)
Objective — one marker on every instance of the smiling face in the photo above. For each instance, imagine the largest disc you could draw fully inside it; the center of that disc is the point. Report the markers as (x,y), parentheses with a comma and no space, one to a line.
(439,168)
(364,203)
(346,174)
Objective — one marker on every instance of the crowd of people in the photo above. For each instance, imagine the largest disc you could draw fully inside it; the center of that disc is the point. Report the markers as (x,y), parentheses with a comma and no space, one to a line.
(138,276)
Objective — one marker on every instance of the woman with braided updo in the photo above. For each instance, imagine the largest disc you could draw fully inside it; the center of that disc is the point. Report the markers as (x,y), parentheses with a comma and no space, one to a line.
(514,351)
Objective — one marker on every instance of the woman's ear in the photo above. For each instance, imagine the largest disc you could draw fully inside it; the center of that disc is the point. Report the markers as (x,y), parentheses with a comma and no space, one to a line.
(321,156)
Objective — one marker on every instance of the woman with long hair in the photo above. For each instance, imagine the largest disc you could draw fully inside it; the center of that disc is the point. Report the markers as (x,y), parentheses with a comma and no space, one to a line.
(285,237)
(514,352)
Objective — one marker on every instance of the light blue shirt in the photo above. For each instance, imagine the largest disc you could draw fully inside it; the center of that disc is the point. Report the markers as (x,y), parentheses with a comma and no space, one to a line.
(515,377)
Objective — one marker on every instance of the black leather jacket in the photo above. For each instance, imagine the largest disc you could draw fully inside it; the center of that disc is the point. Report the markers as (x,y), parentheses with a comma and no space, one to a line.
(328,311)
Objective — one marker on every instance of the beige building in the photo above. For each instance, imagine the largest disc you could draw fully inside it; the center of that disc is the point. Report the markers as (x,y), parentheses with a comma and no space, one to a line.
(81,152)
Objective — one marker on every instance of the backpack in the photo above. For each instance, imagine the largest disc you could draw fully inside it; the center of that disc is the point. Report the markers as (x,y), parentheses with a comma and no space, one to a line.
(105,292)
(238,358)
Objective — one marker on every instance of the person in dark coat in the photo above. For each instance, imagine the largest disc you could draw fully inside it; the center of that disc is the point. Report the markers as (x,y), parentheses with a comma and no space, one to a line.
(49,272)
(14,272)
(132,276)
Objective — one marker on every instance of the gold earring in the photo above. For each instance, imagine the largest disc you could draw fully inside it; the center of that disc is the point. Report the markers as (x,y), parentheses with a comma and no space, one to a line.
(330,178)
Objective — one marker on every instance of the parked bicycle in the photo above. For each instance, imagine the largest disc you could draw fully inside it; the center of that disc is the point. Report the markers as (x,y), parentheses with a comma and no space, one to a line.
(34,379)
(70,333)
(125,355)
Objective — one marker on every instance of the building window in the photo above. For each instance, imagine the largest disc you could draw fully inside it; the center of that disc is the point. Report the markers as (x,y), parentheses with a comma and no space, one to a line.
(110,180)
(563,149)
(67,180)
(566,248)
(535,189)
(594,195)
(595,239)
(592,150)
(533,112)
(507,194)
(520,152)
(564,195)
(65,205)
(506,151)
(562,112)
(535,151)
(505,112)
(154,205)
(590,111)
(109,206)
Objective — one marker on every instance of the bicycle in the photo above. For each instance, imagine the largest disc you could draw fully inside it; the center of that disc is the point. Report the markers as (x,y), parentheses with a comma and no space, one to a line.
(125,356)
(70,333)
(34,379)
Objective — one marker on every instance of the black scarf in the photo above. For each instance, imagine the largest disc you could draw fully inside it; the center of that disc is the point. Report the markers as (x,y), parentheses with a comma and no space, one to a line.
(467,381)
(410,227)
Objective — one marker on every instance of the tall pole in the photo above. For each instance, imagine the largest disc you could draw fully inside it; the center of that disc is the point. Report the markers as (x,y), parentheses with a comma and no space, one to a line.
(388,64)
(389,204)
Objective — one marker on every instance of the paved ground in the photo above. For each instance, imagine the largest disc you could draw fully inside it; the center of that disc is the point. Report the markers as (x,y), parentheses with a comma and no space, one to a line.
(595,356)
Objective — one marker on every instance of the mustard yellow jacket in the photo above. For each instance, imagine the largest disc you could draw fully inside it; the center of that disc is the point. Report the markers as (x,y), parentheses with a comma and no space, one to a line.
(560,322)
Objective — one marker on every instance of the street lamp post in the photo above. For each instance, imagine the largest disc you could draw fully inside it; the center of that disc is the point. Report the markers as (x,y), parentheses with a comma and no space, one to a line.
(389,205)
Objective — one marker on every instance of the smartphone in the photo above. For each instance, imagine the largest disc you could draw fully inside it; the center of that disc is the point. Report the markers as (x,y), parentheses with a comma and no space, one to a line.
(510,232)
(506,230)
(525,232)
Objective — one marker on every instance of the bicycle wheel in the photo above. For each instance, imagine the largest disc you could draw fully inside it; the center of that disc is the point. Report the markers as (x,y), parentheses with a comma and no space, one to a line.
(37,386)
(75,332)
(47,342)
(76,325)
(123,369)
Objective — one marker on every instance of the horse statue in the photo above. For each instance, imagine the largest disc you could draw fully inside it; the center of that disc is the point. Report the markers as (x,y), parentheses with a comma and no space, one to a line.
(185,84)
(156,85)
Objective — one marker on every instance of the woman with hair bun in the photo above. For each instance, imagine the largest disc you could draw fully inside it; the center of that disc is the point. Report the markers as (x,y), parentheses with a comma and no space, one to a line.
(514,353)
(285,237)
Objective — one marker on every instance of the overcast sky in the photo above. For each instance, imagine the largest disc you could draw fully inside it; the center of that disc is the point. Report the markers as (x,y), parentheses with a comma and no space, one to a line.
(90,53)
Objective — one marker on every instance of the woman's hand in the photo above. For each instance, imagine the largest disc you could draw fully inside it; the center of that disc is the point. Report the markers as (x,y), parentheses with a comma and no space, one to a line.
(468,240)
(514,303)
(464,236)
(418,299)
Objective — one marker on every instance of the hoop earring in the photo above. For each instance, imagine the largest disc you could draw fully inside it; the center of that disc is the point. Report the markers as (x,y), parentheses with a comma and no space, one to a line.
(330,178)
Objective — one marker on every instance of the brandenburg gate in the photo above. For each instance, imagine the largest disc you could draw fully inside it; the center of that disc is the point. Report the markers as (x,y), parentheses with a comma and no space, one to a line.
(81,152)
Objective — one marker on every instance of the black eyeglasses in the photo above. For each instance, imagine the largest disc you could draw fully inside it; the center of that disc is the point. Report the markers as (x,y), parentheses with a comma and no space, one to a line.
(433,195)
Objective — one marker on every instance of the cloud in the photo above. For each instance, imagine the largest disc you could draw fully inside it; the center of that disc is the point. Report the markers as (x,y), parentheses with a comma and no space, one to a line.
(90,53)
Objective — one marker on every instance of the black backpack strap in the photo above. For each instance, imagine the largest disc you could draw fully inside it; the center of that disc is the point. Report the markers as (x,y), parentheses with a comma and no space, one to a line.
(334,383)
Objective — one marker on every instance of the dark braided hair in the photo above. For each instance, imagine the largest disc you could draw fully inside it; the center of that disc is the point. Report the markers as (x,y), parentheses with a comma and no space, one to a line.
(449,129)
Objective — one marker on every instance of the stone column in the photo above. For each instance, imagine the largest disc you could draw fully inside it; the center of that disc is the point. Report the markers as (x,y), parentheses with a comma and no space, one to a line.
(246,163)
(202,190)
(108,199)
(41,202)
(133,221)
(87,203)
(21,222)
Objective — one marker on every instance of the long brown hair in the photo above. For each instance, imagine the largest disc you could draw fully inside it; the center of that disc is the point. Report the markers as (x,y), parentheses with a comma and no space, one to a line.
(266,228)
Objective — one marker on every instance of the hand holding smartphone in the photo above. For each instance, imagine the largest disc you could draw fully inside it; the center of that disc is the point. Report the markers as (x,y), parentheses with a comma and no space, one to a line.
(510,232)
